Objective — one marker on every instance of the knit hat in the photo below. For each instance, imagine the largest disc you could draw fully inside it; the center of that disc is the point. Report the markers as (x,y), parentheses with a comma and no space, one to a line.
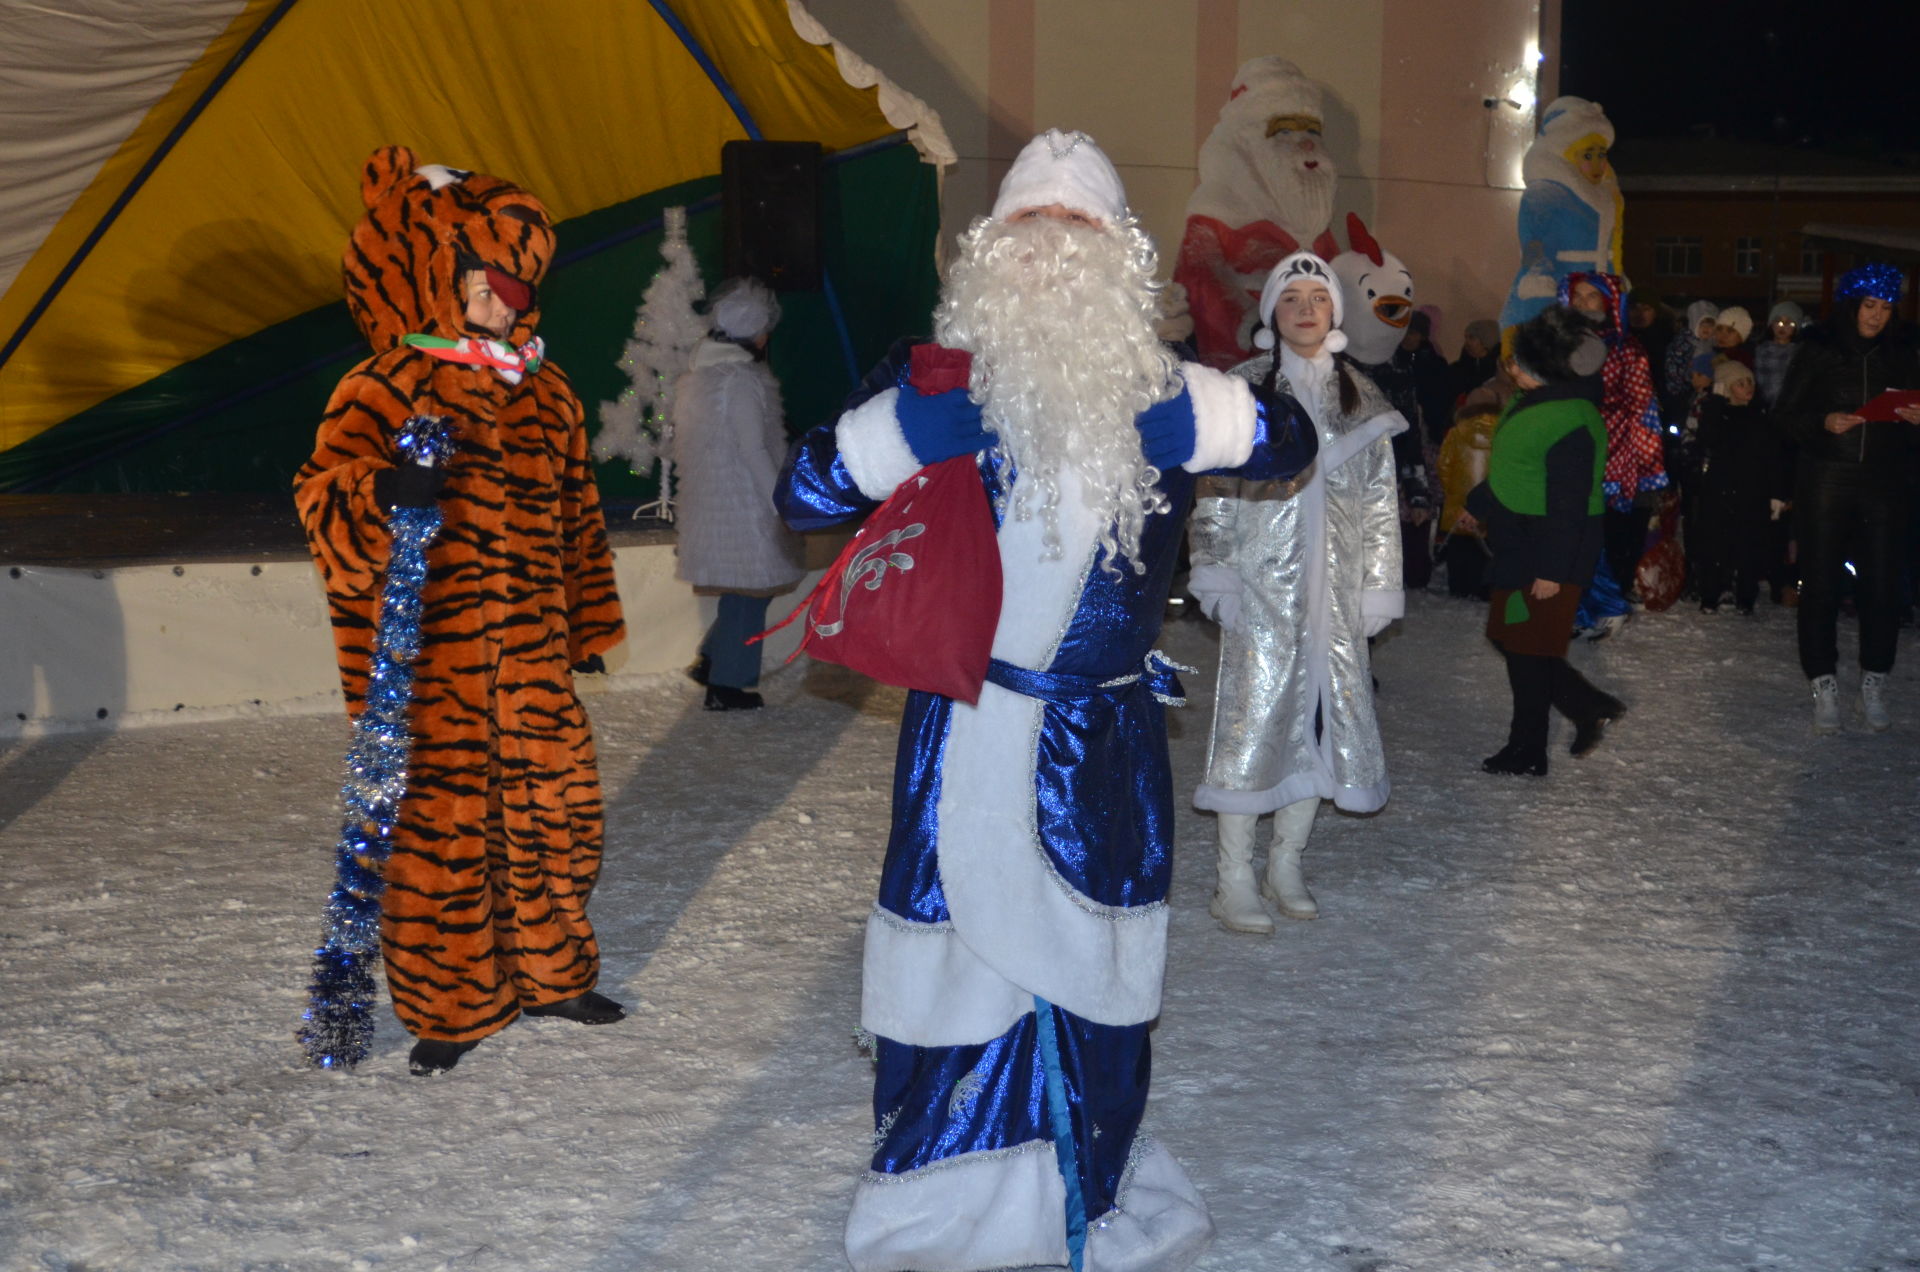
(1729,373)
(1878,279)
(1299,265)
(1557,345)
(1788,310)
(1067,168)
(1738,318)
(743,309)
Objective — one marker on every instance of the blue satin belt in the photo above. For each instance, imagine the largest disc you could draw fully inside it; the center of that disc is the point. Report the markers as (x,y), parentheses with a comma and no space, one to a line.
(1059,686)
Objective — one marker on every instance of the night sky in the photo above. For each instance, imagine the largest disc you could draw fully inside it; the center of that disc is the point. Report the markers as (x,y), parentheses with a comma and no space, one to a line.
(1829,74)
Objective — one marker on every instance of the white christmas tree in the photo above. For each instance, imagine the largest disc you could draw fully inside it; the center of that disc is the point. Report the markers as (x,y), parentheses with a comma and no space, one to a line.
(638,425)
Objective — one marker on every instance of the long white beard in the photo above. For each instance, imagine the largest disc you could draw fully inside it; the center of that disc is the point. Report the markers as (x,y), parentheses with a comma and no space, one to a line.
(1060,321)
(1302,197)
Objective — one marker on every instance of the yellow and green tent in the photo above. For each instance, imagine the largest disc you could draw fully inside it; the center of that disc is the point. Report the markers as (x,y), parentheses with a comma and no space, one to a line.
(181,177)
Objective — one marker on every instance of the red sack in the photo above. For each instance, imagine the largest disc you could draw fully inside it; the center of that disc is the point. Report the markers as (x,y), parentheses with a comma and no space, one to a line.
(1662,571)
(914,599)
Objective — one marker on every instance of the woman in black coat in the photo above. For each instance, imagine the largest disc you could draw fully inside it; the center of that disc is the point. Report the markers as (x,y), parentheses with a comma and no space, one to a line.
(1854,485)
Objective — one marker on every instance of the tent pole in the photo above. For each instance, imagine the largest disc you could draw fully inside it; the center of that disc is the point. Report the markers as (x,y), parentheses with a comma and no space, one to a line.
(147,169)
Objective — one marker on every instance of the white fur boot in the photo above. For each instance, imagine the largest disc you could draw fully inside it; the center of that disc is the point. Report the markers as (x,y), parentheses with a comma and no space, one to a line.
(1235,903)
(1286,884)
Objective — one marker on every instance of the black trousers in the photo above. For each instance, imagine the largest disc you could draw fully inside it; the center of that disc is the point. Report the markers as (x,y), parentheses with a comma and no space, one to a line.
(1838,521)
(1626,542)
(1732,549)
(1540,683)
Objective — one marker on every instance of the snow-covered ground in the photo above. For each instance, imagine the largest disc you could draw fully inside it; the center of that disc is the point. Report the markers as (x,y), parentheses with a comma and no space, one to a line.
(1654,1013)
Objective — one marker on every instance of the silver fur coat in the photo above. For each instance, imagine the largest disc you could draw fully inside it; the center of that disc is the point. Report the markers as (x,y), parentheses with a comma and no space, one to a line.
(1313,564)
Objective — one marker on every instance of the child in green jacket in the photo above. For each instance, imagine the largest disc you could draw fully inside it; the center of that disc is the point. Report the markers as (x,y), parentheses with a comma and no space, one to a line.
(1541,508)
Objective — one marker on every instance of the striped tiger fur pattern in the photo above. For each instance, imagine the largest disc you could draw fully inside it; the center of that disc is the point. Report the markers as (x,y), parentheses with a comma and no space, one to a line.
(498,841)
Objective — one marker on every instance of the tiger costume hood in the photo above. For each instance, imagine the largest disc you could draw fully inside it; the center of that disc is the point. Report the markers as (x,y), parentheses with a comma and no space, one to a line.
(424,226)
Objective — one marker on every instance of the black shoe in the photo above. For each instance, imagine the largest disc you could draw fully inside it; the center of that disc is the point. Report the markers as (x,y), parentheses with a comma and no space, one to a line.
(701,669)
(431,1055)
(1745,611)
(1515,761)
(721,698)
(1587,733)
(1707,607)
(587,1009)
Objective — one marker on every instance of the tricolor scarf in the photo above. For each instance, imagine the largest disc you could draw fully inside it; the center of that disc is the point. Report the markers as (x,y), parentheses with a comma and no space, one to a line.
(512,364)
(1635,460)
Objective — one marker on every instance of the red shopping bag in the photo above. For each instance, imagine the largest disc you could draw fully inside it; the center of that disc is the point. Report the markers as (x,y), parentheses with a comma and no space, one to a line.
(914,599)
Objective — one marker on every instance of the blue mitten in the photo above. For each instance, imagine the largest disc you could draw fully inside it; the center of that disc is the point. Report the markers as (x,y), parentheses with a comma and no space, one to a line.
(1168,433)
(941,425)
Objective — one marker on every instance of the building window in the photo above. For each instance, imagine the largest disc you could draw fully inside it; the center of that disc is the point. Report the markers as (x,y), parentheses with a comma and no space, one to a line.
(1746,255)
(1677,257)
(1810,260)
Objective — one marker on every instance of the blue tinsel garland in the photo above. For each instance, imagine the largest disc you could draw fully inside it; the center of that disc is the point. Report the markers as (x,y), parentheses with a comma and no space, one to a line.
(339,1018)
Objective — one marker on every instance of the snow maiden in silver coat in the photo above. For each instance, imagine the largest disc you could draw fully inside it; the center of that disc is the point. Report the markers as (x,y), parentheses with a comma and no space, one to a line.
(1015,955)
(1298,579)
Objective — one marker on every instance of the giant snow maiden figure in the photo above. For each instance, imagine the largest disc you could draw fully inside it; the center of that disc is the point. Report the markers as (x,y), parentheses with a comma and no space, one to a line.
(1570,215)
(1265,192)
(1298,576)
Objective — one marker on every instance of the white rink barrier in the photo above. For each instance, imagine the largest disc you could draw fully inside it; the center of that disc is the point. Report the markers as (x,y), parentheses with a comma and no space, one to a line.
(183,641)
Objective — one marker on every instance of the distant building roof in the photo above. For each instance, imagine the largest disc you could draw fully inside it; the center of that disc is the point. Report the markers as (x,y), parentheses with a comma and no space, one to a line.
(1694,164)
(1880,242)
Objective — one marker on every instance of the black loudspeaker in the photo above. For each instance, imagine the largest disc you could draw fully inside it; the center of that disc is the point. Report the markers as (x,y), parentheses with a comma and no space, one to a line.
(770,200)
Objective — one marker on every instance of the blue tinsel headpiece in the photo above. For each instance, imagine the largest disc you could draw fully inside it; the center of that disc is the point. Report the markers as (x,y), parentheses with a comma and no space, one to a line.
(1879,280)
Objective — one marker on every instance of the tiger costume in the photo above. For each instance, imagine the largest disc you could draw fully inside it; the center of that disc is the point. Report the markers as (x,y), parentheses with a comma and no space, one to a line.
(497,843)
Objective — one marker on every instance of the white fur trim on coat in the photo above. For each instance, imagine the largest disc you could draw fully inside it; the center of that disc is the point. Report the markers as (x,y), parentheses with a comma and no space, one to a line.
(1223,418)
(1009,904)
(875,450)
(904,959)
(1005,1210)
(1002,1209)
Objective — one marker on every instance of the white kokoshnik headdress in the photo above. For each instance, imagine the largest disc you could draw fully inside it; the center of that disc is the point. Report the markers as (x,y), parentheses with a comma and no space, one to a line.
(1293,268)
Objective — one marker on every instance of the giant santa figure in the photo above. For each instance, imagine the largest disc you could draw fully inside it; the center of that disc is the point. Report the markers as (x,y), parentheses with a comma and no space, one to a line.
(1265,192)
(1015,954)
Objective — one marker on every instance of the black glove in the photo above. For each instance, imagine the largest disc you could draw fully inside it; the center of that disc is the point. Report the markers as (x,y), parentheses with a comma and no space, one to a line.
(408,486)
(592,664)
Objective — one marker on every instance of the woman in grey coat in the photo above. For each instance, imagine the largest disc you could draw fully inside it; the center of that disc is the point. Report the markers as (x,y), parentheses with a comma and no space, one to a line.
(1299,577)
(728,444)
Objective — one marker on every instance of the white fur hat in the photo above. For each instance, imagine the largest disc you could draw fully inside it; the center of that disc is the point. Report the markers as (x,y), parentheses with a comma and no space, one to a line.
(743,309)
(1300,265)
(1067,168)
(1268,86)
(1738,318)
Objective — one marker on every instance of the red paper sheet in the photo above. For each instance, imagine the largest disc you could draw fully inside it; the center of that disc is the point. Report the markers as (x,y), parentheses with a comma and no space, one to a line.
(1881,409)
